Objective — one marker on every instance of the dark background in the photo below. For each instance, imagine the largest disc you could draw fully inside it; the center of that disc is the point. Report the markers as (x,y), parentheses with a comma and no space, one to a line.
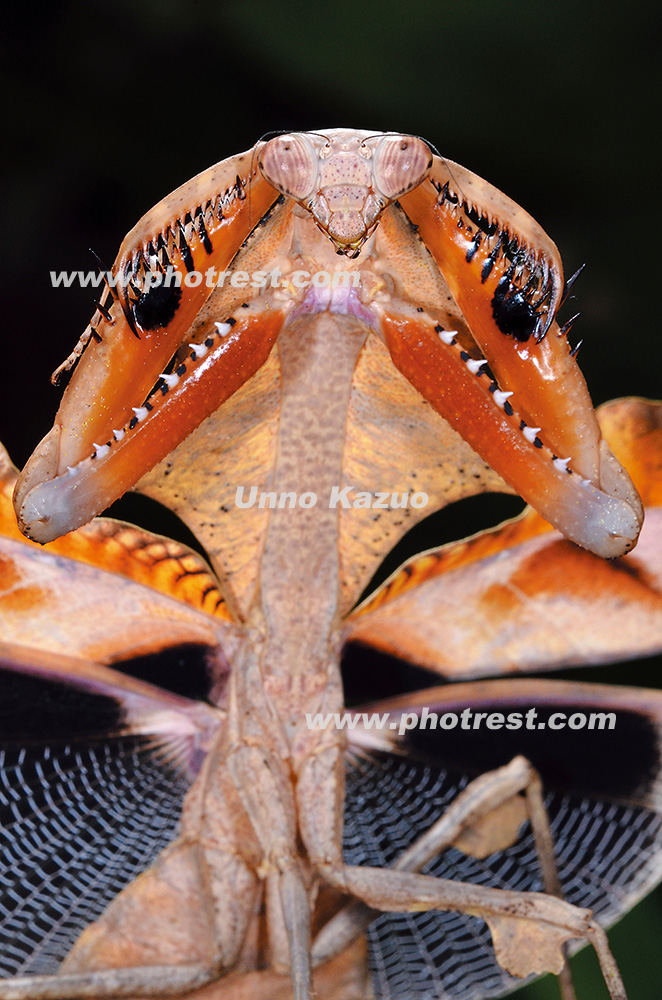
(108,106)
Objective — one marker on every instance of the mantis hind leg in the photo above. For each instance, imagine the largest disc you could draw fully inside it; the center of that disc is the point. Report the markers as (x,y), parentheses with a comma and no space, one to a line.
(485,817)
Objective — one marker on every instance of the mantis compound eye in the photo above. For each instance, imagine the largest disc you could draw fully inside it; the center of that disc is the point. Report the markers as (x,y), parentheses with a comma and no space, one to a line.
(401,163)
(345,181)
(289,163)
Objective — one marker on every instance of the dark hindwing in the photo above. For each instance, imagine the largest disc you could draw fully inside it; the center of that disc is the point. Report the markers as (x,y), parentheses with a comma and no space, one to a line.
(609,852)
(85,806)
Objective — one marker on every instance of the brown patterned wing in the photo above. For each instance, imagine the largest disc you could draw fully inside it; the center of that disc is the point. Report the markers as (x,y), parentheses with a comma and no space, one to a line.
(107,591)
(521,597)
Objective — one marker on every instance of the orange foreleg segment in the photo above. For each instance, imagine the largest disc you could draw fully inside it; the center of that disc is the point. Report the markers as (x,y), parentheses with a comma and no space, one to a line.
(153,305)
(495,430)
(198,387)
(507,292)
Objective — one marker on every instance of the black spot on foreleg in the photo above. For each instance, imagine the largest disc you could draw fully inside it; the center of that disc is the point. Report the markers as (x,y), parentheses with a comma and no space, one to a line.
(157,306)
(512,312)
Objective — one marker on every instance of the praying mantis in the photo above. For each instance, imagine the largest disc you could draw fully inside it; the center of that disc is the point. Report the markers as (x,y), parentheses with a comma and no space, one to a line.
(304,351)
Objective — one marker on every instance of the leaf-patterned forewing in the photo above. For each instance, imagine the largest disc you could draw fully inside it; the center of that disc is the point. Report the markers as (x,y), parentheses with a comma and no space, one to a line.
(521,597)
